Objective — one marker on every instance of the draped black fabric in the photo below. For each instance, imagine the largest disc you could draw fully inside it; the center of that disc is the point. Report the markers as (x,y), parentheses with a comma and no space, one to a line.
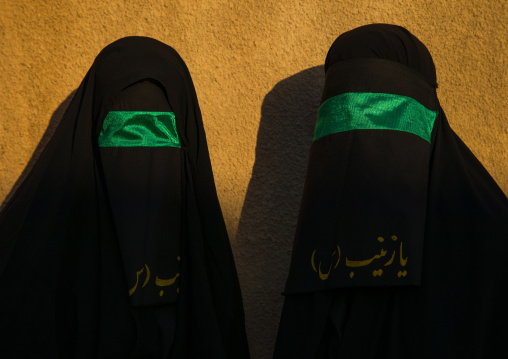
(86,217)
(434,197)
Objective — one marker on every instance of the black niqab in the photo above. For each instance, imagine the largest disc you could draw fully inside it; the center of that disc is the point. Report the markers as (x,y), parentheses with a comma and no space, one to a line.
(67,248)
(455,306)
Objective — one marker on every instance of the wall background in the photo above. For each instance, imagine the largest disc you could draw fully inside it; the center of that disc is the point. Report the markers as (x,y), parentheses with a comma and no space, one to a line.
(257,68)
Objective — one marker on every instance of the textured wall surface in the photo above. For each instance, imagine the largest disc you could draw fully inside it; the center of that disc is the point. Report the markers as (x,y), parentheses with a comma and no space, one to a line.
(257,68)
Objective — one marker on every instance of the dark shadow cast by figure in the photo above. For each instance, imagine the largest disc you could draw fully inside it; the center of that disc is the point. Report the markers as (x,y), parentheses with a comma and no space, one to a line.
(52,125)
(269,214)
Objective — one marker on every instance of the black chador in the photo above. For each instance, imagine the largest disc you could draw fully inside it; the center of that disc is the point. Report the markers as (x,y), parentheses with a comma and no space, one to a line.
(402,234)
(114,245)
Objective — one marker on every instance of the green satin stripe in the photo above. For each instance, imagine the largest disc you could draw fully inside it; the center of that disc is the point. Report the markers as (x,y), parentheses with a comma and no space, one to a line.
(374,111)
(139,129)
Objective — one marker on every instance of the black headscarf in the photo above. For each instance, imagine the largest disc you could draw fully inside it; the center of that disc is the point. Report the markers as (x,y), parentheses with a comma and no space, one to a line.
(121,252)
(402,232)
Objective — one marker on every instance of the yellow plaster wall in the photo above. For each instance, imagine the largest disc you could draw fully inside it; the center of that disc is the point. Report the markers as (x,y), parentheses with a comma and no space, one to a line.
(257,68)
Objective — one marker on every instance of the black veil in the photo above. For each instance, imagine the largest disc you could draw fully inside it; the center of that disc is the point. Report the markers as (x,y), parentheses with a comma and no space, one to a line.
(63,287)
(428,192)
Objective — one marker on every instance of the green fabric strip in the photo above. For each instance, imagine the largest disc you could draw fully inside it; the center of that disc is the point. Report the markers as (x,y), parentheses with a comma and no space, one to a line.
(374,111)
(139,129)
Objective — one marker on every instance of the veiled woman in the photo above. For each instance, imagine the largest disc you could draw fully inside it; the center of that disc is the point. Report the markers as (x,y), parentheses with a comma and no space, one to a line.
(402,233)
(114,245)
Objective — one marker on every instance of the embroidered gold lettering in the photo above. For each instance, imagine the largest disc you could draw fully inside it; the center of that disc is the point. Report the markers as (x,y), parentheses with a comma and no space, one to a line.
(365,262)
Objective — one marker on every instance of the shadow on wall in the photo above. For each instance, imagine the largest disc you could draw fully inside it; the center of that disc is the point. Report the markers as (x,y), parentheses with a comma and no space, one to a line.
(55,119)
(267,224)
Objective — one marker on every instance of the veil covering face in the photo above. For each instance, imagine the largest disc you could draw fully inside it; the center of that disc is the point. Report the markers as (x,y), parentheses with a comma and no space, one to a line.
(402,232)
(114,245)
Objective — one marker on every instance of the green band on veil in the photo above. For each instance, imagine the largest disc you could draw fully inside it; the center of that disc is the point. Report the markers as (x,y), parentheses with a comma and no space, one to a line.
(139,129)
(374,111)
